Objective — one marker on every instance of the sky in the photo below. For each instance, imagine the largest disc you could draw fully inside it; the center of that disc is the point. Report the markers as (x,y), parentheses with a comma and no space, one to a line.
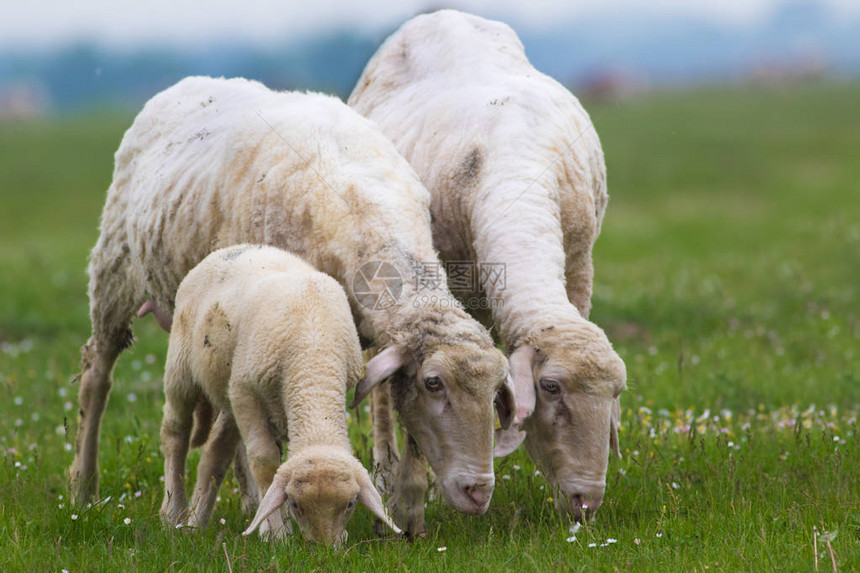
(45,24)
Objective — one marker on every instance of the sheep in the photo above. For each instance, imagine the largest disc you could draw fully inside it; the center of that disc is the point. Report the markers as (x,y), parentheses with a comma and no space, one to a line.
(517,178)
(210,163)
(269,341)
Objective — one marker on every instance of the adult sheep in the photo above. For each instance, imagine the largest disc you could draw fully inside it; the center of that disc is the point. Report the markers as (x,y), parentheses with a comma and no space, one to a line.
(516,177)
(210,163)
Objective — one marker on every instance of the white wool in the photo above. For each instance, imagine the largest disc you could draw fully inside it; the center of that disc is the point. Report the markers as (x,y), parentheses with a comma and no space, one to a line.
(210,163)
(270,342)
(457,94)
(517,178)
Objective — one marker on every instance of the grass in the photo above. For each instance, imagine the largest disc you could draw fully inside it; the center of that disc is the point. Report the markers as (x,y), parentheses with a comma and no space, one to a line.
(727,276)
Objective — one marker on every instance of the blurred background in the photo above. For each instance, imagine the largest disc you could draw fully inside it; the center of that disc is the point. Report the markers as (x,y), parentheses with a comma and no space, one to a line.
(69,57)
(727,274)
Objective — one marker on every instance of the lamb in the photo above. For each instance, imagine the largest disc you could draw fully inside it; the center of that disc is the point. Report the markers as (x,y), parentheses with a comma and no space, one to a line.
(517,178)
(270,343)
(210,163)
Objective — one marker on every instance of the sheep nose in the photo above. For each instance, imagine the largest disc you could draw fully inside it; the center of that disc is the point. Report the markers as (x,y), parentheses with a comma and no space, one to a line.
(584,505)
(480,491)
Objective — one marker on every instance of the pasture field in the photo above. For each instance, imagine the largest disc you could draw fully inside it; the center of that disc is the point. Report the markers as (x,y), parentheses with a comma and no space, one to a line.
(727,276)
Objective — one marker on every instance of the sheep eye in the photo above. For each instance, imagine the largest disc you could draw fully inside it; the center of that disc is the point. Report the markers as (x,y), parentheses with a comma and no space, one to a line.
(433,383)
(351,504)
(294,505)
(550,386)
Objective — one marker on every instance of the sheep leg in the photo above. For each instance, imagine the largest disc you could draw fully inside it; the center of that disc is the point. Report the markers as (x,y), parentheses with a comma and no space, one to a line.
(385,452)
(263,454)
(113,298)
(175,437)
(214,461)
(410,486)
(247,486)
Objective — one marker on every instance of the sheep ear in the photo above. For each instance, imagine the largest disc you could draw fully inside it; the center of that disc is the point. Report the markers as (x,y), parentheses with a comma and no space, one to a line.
(164,318)
(378,369)
(614,424)
(524,382)
(506,404)
(507,440)
(369,496)
(272,501)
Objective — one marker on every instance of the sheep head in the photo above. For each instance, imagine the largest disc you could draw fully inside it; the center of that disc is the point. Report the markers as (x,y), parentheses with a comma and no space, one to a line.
(567,380)
(321,487)
(445,393)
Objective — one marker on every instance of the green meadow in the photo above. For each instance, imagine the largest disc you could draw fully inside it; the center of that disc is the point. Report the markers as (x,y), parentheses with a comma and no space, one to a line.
(727,277)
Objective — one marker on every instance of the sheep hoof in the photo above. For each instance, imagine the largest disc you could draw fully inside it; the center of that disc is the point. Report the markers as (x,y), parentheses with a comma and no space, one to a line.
(412,536)
(412,523)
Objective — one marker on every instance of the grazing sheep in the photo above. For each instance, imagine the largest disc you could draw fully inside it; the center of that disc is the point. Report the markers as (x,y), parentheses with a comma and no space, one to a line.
(516,176)
(270,343)
(210,163)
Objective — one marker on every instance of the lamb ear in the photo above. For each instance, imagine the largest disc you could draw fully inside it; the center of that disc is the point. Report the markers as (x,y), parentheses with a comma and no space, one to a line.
(506,404)
(164,318)
(507,440)
(614,424)
(378,369)
(369,496)
(272,501)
